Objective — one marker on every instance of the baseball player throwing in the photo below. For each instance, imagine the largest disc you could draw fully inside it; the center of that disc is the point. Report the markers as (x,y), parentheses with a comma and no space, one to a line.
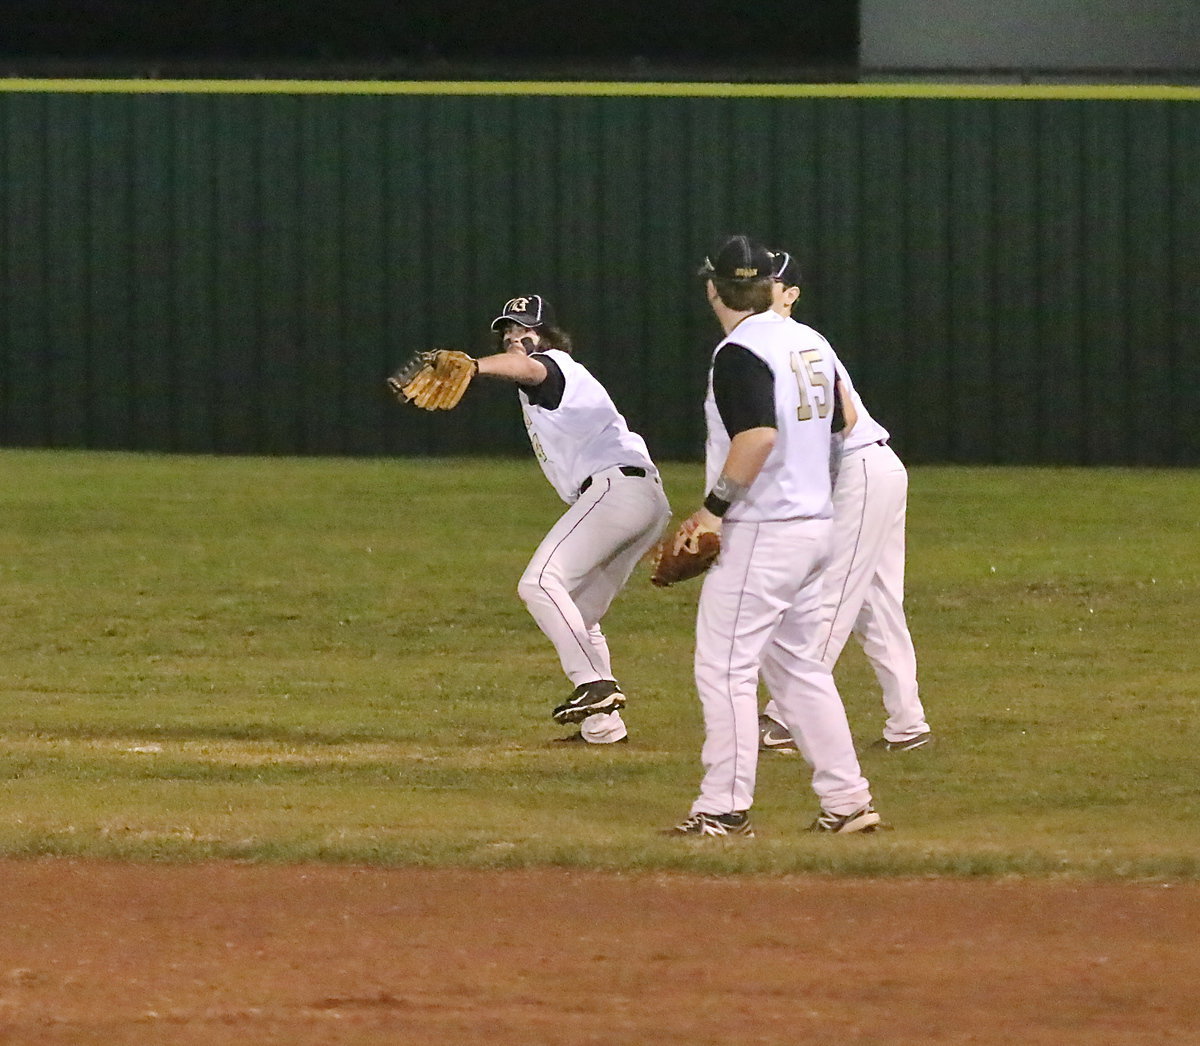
(617,508)
(863,585)
(770,412)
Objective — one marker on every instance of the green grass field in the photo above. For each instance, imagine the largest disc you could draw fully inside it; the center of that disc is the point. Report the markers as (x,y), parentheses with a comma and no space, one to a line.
(285,659)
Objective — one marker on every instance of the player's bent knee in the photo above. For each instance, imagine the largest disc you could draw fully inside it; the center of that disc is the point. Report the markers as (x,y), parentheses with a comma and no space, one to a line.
(535,590)
(528,590)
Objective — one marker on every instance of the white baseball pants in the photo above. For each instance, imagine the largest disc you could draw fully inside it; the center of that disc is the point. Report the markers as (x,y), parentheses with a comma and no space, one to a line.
(760,609)
(864,584)
(583,563)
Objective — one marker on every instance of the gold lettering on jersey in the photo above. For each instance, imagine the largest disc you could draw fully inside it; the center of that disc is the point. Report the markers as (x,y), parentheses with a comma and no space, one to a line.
(534,442)
(808,380)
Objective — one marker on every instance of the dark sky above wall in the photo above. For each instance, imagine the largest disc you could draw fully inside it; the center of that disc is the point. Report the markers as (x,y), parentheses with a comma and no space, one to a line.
(762,35)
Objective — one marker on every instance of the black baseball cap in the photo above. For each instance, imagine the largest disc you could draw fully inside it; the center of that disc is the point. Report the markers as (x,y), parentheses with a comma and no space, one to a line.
(786,269)
(529,310)
(739,258)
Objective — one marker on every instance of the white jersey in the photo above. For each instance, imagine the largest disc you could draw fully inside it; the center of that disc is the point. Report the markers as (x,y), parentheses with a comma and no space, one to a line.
(584,434)
(866,429)
(794,482)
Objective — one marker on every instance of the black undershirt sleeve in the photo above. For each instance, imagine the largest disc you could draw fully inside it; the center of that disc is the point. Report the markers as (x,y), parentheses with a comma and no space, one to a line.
(548,393)
(744,389)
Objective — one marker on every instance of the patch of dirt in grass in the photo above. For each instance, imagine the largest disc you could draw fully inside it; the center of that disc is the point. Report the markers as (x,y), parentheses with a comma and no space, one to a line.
(113,953)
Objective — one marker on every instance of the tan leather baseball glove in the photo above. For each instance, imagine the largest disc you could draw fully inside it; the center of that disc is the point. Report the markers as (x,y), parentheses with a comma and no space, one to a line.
(434,380)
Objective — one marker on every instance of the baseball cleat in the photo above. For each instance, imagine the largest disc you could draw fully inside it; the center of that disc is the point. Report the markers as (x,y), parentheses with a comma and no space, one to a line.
(714,826)
(601,695)
(864,819)
(773,736)
(920,741)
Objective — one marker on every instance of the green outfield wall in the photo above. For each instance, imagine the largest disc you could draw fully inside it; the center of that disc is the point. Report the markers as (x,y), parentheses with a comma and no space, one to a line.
(1011,274)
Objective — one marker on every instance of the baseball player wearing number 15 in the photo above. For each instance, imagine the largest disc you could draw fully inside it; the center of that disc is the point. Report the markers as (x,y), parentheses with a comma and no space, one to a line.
(864,582)
(770,412)
(617,508)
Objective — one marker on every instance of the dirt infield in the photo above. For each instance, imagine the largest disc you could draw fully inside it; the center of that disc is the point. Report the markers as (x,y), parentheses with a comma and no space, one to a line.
(98,952)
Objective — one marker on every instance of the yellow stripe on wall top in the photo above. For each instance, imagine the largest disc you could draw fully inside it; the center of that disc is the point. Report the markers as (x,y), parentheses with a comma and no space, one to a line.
(1126,92)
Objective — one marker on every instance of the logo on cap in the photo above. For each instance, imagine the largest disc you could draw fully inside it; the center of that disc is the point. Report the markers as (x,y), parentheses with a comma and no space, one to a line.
(738,258)
(529,310)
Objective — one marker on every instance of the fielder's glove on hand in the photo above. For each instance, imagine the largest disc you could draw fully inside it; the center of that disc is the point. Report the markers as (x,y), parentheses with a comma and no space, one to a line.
(688,553)
(434,380)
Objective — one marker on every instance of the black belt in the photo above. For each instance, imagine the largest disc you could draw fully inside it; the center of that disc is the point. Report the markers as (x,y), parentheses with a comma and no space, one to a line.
(626,470)
(879,443)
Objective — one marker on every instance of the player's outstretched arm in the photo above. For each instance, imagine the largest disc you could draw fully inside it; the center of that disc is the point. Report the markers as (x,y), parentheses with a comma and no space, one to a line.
(513,366)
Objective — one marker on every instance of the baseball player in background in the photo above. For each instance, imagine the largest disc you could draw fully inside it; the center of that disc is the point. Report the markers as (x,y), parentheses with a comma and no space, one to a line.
(863,585)
(617,508)
(770,411)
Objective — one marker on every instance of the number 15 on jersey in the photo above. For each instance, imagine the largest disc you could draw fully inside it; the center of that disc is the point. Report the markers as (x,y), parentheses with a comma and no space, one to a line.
(808,380)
